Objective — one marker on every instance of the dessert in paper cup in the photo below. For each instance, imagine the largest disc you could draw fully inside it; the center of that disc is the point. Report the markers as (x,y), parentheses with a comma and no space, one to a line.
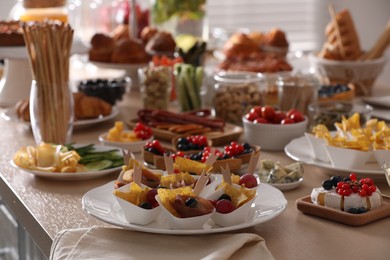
(138,203)
(183,209)
(233,204)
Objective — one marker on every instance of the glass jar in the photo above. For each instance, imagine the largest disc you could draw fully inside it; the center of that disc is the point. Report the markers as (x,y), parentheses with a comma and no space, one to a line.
(51,113)
(40,10)
(181,18)
(297,91)
(155,86)
(235,94)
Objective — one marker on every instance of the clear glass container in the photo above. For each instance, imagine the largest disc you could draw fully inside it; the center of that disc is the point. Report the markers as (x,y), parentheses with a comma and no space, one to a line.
(155,86)
(330,112)
(235,93)
(51,122)
(181,18)
(40,10)
(297,91)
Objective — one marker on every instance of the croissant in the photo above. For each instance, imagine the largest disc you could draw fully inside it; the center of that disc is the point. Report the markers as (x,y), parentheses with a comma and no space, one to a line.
(85,107)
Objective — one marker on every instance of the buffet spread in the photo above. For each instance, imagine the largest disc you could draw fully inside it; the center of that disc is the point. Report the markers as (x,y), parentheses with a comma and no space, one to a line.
(182,168)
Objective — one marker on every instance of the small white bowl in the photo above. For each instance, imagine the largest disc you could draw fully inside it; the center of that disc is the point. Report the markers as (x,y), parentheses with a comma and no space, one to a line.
(381,156)
(238,216)
(135,214)
(272,137)
(317,147)
(344,158)
(183,223)
(134,147)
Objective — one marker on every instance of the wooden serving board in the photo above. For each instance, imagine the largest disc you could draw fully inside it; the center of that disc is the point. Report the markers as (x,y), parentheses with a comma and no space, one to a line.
(306,206)
(218,138)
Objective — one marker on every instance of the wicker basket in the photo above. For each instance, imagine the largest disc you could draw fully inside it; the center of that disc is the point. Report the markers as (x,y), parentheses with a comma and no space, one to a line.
(360,74)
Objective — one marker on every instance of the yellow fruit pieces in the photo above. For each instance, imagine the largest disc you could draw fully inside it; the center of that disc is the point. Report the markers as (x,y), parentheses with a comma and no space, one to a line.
(48,158)
(135,195)
(375,135)
(118,134)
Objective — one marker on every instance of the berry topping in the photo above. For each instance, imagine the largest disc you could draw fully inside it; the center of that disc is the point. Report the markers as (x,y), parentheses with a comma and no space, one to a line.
(364,187)
(142,131)
(145,205)
(248,180)
(191,202)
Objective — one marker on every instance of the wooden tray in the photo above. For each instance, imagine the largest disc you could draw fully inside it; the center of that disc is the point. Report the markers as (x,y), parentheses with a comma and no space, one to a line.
(230,133)
(306,206)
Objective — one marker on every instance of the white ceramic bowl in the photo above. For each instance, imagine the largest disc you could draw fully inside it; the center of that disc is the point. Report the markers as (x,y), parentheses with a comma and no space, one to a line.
(317,147)
(381,156)
(272,137)
(135,214)
(183,223)
(345,158)
(362,73)
(134,147)
(238,216)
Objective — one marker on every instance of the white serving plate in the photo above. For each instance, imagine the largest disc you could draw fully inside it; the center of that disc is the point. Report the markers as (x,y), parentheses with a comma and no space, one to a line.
(134,147)
(287,186)
(10,115)
(74,176)
(299,150)
(101,204)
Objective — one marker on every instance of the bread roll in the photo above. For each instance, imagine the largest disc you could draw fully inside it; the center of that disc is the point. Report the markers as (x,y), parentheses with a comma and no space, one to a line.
(129,51)
(147,33)
(102,46)
(161,42)
(239,44)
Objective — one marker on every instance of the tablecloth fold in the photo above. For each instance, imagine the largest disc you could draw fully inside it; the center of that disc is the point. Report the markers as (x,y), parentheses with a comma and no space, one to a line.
(114,243)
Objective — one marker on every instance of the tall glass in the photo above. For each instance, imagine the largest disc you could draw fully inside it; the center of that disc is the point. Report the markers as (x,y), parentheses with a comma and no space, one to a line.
(51,122)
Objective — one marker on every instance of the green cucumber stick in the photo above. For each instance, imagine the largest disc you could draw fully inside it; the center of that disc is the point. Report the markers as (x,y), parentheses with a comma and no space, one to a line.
(181,90)
(189,73)
(199,78)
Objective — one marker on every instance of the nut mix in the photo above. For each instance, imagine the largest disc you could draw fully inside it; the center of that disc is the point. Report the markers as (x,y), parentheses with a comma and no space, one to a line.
(156,86)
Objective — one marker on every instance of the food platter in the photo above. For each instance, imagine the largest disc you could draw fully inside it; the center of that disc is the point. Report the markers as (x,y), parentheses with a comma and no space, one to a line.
(299,150)
(73,176)
(10,115)
(218,138)
(101,204)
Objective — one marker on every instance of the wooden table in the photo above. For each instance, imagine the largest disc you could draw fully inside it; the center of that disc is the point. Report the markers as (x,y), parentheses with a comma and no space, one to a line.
(45,207)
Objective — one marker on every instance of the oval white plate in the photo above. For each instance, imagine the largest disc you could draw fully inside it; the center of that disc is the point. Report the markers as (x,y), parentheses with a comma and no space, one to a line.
(299,150)
(134,147)
(101,204)
(10,114)
(74,176)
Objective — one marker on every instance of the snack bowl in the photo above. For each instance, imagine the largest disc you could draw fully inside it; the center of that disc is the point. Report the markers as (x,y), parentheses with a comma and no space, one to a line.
(347,158)
(190,223)
(239,215)
(317,147)
(381,156)
(272,137)
(134,147)
(361,73)
(135,214)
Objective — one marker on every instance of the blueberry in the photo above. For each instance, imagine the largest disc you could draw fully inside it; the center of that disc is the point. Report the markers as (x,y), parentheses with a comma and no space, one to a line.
(247,146)
(361,210)
(335,180)
(145,205)
(225,197)
(347,179)
(191,202)
(353,211)
(183,147)
(182,140)
(327,184)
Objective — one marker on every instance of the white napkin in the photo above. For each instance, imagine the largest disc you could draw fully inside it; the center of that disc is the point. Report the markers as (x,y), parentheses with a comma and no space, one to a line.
(115,243)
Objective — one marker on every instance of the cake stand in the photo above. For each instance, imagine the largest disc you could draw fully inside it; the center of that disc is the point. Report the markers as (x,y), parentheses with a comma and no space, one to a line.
(16,81)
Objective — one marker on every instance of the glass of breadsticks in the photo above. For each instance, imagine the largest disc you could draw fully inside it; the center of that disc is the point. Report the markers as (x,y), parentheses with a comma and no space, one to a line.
(51,100)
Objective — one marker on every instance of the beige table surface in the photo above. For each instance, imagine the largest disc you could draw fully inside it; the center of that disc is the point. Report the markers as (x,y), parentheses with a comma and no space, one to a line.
(45,207)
